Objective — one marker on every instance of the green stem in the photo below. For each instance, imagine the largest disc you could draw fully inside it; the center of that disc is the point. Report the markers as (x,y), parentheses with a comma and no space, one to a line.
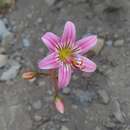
(55,80)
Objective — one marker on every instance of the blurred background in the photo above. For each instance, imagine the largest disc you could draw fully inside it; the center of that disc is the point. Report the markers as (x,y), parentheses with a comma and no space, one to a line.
(98,101)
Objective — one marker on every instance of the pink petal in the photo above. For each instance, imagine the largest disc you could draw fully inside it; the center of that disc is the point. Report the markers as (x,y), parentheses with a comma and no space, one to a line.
(49,62)
(86,65)
(87,43)
(64,75)
(69,34)
(50,40)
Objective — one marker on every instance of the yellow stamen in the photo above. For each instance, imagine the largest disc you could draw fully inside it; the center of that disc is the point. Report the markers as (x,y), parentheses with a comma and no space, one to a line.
(65,53)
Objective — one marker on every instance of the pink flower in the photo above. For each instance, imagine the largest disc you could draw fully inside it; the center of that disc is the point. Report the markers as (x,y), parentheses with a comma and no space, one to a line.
(59,104)
(66,53)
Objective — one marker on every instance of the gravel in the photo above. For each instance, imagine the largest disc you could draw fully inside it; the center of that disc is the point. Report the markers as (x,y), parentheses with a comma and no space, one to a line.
(103,96)
(3,60)
(37,117)
(26,42)
(66,91)
(64,128)
(116,110)
(119,43)
(84,96)
(50,2)
(3,30)
(109,43)
(37,104)
(99,46)
(12,72)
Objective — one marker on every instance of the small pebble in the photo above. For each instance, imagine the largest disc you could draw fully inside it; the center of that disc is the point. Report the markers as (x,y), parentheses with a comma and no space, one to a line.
(84,96)
(99,46)
(64,128)
(119,43)
(12,72)
(3,30)
(116,110)
(109,43)
(39,21)
(37,104)
(103,96)
(2,50)
(30,15)
(37,117)
(41,83)
(109,124)
(66,91)
(26,43)
(75,77)
(50,2)
(75,107)
(3,60)
(97,128)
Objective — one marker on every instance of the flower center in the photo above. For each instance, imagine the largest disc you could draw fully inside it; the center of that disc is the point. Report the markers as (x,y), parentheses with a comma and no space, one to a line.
(65,53)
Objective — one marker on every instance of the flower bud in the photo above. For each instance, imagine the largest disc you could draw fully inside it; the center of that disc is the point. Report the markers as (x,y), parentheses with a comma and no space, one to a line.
(29,75)
(59,104)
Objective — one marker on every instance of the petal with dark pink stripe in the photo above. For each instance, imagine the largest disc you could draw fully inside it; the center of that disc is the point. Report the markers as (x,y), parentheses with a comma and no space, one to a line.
(49,62)
(69,34)
(50,40)
(86,43)
(86,64)
(64,75)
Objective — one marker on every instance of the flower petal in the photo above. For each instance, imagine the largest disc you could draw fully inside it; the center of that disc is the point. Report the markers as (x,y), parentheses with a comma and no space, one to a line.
(86,64)
(85,44)
(49,62)
(69,34)
(64,75)
(50,40)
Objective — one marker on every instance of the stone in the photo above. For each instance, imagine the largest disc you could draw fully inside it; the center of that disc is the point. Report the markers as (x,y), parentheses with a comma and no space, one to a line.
(116,110)
(109,43)
(97,128)
(26,42)
(37,104)
(3,30)
(29,16)
(74,77)
(3,125)
(99,46)
(103,96)
(66,91)
(7,40)
(75,107)
(12,72)
(2,50)
(41,83)
(39,20)
(19,119)
(50,2)
(128,127)
(64,128)
(14,118)
(84,96)
(77,1)
(37,117)
(3,60)
(109,124)
(119,43)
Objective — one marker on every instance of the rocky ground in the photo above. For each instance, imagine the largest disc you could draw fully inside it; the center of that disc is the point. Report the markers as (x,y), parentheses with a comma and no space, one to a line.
(97,102)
